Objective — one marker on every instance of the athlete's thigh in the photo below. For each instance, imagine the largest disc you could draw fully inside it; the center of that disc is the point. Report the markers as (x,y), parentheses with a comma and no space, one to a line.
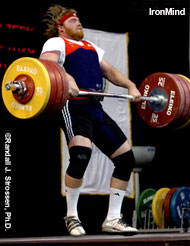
(80,141)
(76,122)
(108,136)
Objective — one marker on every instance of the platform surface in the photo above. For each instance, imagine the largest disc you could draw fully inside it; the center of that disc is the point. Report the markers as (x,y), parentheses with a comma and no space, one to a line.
(169,239)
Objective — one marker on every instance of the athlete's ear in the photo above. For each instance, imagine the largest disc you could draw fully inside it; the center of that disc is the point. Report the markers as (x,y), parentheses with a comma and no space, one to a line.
(61,28)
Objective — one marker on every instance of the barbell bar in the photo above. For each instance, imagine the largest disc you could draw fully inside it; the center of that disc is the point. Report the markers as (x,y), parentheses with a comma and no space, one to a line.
(33,87)
(157,99)
(20,87)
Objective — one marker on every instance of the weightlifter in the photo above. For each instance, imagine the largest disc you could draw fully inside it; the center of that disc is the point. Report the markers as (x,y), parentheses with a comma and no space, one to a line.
(84,121)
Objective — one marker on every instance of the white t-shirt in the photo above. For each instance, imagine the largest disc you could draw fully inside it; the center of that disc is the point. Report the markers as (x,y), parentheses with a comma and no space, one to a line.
(58,44)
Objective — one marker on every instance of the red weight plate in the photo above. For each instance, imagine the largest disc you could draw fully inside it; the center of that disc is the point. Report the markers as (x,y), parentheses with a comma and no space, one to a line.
(30,88)
(187,111)
(178,121)
(166,84)
(60,91)
(64,85)
(186,117)
(51,101)
(166,205)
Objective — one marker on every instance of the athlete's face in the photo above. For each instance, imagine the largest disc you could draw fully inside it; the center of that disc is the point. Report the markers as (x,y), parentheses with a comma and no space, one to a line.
(73,28)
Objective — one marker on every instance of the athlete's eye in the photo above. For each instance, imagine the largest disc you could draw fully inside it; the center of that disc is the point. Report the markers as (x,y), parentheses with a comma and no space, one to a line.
(73,20)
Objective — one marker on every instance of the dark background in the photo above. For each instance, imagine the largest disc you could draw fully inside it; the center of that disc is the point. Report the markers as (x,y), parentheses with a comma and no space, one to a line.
(156,44)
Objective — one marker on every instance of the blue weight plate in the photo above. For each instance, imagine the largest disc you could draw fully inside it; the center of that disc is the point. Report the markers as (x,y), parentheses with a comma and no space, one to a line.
(180,207)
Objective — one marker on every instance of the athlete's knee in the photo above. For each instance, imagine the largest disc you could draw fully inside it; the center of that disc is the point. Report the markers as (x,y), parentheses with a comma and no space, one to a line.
(79,158)
(124,165)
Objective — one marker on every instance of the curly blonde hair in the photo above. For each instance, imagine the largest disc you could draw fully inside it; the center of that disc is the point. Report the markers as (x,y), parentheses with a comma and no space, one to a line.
(52,17)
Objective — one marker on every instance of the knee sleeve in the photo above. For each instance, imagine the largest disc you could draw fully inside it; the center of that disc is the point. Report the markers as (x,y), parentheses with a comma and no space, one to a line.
(124,165)
(79,158)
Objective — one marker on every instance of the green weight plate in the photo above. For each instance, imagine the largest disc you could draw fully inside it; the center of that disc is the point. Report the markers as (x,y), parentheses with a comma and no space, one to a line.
(144,205)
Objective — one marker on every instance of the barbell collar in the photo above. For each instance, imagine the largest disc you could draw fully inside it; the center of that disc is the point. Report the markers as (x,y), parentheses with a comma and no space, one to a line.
(16,86)
(13,86)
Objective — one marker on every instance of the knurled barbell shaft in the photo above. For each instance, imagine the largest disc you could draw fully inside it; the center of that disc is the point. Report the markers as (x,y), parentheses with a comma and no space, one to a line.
(157,99)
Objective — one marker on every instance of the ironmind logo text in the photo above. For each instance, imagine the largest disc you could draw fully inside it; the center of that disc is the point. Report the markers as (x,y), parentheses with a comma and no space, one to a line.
(167,11)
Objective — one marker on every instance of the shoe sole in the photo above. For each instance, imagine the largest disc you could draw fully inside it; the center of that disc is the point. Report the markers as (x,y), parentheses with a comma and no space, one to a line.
(77,235)
(115,232)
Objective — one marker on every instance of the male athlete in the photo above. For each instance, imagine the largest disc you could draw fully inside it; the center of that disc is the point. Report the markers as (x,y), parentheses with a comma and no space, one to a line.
(84,120)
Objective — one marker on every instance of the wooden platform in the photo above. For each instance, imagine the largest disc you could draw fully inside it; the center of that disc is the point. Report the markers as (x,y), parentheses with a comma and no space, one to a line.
(156,239)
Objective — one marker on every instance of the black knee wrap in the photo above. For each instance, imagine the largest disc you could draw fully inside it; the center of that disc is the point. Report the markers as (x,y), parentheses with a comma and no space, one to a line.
(124,165)
(79,158)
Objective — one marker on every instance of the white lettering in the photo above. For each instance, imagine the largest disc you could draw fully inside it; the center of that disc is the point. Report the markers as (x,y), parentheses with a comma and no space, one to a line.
(148,199)
(161,81)
(27,69)
(145,94)
(154,118)
(146,90)
(39,91)
(143,105)
(21,106)
(167,11)
(171,102)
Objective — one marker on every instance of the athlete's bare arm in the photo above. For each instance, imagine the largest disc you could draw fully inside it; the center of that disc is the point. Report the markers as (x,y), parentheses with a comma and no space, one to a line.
(54,57)
(119,79)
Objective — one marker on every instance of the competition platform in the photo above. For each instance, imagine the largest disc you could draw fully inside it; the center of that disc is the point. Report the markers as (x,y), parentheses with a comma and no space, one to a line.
(154,239)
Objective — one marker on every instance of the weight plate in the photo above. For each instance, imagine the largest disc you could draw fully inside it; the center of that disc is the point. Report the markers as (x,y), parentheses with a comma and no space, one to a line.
(61,93)
(185,112)
(144,206)
(60,88)
(38,102)
(64,83)
(157,207)
(53,94)
(183,107)
(180,207)
(175,103)
(186,119)
(167,216)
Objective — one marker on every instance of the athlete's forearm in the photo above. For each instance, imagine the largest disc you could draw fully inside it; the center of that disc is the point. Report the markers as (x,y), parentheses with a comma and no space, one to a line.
(72,86)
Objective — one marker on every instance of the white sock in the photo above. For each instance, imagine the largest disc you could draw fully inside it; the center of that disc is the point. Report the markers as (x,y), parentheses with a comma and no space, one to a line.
(115,203)
(72,196)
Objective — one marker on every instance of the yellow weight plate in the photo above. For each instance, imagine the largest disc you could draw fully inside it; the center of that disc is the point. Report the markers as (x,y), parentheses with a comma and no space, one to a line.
(36,70)
(185,77)
(157,206)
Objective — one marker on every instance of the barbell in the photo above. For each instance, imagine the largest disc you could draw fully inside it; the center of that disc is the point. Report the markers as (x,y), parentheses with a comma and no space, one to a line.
(32,87)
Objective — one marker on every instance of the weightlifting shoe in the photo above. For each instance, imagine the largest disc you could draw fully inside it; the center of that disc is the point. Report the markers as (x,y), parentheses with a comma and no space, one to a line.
(118,226)
(74,226)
